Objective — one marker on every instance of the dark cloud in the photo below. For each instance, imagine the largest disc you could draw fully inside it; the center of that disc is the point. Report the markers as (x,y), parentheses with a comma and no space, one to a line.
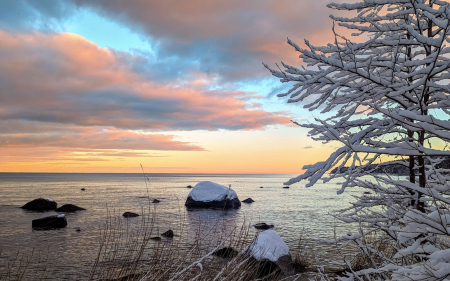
(228,39)
(30,15)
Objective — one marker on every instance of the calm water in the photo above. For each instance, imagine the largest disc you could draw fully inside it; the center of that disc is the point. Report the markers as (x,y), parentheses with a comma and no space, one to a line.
(69,254)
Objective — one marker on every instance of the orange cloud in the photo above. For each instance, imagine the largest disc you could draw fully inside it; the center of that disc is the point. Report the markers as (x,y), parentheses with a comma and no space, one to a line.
(65,79)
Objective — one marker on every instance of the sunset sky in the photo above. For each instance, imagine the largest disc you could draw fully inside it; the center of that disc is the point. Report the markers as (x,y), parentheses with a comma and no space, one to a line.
(177,86)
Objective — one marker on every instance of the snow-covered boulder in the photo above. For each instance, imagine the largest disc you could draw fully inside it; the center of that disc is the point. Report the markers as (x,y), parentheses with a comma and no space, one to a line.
(207,194)
(269,246)
(40,205)
(51,222)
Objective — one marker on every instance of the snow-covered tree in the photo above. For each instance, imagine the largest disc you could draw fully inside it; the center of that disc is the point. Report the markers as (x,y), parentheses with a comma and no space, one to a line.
(387,95)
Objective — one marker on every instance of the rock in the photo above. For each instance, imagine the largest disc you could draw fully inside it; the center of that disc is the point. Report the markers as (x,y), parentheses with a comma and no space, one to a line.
(208,194)
(270,247)
(226,252)
(40,205)
(50,222)
(367,192)
(248,200)
(285,186)
(69,208)
(261,187)
(78,230)
(130,215)
(168,233)
(263,225)
(83,189)
(189,186)
(155,201)
(264,268)
(157,238)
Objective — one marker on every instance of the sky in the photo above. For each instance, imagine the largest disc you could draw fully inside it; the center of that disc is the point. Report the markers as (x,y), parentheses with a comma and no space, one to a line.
(174,86)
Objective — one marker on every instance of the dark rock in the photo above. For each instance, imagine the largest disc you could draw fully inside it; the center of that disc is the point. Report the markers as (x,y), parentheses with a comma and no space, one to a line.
(69,208)
(78,230)
(226,252)
(50,222)
(40,205)
(265,267)
(157,238)
(263,226)
(130,215)
(168,233)
(248,200)
(286,265)
(285,186)
(83,189)
(261,187)
(367,192)
(225,204)
(189,186)
(155,201)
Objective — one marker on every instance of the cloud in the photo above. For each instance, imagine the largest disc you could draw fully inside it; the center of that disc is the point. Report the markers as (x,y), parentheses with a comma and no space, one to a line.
(307,147)
(227,39)
(66,79)
(95,138)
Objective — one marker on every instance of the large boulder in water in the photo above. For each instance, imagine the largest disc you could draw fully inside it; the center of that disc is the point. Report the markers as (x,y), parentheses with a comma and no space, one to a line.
(40,205)
(206,194)
(270,248)
(51,222)
(69,208)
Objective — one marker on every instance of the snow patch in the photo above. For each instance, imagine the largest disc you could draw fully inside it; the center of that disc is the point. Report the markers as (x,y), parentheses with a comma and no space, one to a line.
(49,200)
(207,191)
(269,245)
(61,216)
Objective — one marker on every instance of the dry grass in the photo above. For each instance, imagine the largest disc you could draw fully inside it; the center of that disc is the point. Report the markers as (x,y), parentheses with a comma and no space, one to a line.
(18,267)
(302,255)
(131,255)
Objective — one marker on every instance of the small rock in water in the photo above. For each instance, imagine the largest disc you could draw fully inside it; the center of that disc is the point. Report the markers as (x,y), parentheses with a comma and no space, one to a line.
(40,205)
(156,201)
(261,187)
(226,252)
(50,222)
(168,233)
(130,215)
(157,238)
(83,189)
(248,200)
(263,225)
(69,208)
(367,192)
(78,230)
(285,186)
(189,186)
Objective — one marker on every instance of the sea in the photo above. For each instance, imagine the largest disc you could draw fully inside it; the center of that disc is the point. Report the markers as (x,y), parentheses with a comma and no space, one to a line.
(68,253)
